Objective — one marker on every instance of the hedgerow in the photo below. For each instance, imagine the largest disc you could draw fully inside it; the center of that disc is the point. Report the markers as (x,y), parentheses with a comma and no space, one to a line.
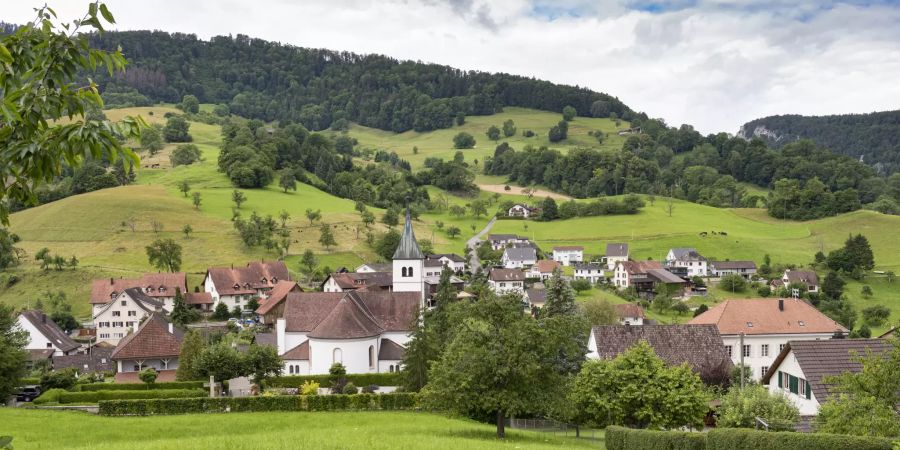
(366,379)
(139,386)
(358,402)
(620,438)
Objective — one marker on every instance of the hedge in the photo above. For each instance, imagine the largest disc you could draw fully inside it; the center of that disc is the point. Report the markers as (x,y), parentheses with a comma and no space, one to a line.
(737,438)
(139,386)
(29,381)
(360,402)
(365,379)
(621,438)
(62,396)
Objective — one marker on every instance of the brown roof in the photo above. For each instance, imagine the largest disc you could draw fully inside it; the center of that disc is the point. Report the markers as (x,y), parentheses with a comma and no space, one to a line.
(546,266)
(629,310)
(762,316)
(198,298)
(698,345)
(151,340)
(83,362)
(802,276)
(568,247)
(506,275)
(162,376)
(246,280)
(821,358)
(51,330)
(153,284)
(640,267)
(390,351)
(277,295)
(617,250)
(265,339)
(300,352)
(725,265)
(343,315)
(357,280)
(40,354)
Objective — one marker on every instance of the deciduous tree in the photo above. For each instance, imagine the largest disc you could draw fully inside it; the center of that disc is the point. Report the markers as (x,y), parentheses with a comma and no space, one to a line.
(165,254)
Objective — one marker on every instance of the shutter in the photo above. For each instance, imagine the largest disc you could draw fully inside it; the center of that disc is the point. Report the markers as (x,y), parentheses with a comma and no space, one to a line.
(794,385)
(808,395)
(779,379)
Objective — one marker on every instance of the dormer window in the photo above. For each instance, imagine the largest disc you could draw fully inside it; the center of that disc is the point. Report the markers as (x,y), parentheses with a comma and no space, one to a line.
(236,286)
(274,280)
(263,280)
(801,323)
(749,324)
(162,289)
(113,294)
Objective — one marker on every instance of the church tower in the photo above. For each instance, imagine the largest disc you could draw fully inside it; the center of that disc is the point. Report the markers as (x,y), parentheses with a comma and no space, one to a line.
(409,262)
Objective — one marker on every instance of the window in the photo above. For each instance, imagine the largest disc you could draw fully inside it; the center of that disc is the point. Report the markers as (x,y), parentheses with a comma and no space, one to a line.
(410,271)
(784,380)
(104,336)
(403,272)
(117,313)
(291,369)
(764,370)
(371,356)
(801,323)
(802,387)
(746,351)
(337,356)
(728,350)
(391,368)
(124,302)
(49,345)
(764,350)
(132,313)
(749,324)
(780,347)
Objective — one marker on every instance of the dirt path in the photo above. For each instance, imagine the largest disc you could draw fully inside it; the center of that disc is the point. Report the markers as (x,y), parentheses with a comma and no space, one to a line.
(538,193)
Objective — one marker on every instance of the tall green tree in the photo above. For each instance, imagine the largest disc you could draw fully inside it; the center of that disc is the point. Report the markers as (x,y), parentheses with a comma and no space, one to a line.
(189,104)
(238,198)
(560,297)
(493,133)
(10,255)
(287,181)
(196,199)
(549,209)
(13,355)
(262,362)
(184,187)
(151,140)
(221,312)
(308,263)
(176,130)
(221,361)
(313,215)
(181,313)
(326,236)
(165,254)
(191,348)
(509,128)
(569,113)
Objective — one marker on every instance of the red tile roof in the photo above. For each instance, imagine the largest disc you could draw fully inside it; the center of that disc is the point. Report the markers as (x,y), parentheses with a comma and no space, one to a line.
(277,295)
(151,340)
(198,298)
(357,280)
(763,316)
(102,291)
(640,267)
(506,275)
(546,266)
(349,319)
(300,352)
(629,310)
(246,280)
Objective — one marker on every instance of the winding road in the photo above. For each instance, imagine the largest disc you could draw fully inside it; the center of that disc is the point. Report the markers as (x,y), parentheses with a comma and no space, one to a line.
(473,242)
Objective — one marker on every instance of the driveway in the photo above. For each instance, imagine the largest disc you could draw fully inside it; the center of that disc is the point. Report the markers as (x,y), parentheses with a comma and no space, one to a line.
(473,242)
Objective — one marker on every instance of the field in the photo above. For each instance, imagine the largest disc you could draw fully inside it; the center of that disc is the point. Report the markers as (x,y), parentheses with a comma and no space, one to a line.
(41,429)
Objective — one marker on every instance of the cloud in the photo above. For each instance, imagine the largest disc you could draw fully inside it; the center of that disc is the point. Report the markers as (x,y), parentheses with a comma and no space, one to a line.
(712,63)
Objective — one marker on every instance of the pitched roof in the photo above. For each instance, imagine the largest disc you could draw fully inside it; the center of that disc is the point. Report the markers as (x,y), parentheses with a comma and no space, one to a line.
(451,256)
(433,263)
(144,301)
(546,265)
(802,276)
(590,266)
(506,275)
(536,296)
(698,345)
(155,285)
(664,276)
(408,248)
(639,267)
(151,340)
(520,254)
(617,250)
(265,339)
(763,316)
(300,352)
(348,314)
(358,280)
(565,248)
(277,295)
(627,310)
(198,298)
(246,280)
(376,267)
(50,330)
(390,351)
(349,319)
(93,362)
(725,265)
(821,358)
(503,237)
(687,254)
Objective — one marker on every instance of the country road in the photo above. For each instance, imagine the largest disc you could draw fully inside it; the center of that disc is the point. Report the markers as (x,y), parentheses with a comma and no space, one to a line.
(472,243)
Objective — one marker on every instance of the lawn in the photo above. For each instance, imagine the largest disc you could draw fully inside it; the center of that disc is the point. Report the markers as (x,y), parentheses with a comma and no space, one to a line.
(33,429)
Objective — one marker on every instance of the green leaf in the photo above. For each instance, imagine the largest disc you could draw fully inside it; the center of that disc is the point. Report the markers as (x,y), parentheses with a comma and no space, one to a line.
(104,11)
(5,56)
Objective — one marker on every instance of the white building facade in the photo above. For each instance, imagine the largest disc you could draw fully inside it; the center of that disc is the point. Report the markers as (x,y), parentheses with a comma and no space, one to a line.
(568,255)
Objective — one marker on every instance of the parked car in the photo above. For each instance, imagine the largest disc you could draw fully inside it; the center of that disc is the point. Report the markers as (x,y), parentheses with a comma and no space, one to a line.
(28,393)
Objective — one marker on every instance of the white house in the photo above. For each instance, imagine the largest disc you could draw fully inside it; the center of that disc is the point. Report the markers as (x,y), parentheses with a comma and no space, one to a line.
(615,253)
(155,344)
(643,275)
(158,286)
(452,260)
(499,241)
(568,254)
(630,314)
(800,369)
(505,281)
(543,269)
(374,267)
(592,272)
(766,324)
(806,278)
(745,269)
(236,286)
(689,258)
(518,257)
(520,210)
(45,335)
(117,318)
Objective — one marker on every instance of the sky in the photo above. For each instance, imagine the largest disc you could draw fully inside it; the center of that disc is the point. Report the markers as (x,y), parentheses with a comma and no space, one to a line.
(714,64)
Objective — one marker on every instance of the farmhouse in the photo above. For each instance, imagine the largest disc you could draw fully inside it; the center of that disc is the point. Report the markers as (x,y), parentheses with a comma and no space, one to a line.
(700,346)
(351,281)
(592,272)
(158,286)
(745,269)
(568,254)
(543,269)
(499,241)
(615,253)
(156,344)
(630,314)
(505,281)
(45,336)
(118,317)
(521,210)
(806,278)
(235,287)
(800,369)
(272,307)
(688,257)
(517,258)
(645,276)
(766,324)
(452,260)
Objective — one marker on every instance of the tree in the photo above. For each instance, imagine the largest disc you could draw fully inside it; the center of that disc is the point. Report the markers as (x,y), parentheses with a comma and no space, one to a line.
(308,263)
(191,348)
(560,297)
(41,82)
(876,316)
(184,155)
(13,355)
(189,104)
(493,133)
(284,216)
(600,312)
(856,254)
(478,208)
(638,390)
(463,140)
(453,231)
(221,312)
(184,187)
(313,215)
(221,361)
(181,313)
(733,283)
(568,113)
(457,211)
(581,285)
(549,210)
(368,218)
(866,291)
(187,229)
(196,199)
(238,198)
(833,286)
(741,406)
(326,237)
(509,128)
(387,244)
(151,140)
(702,309)
(165,254)
(176,130)
(287,181)
(148,375)
(262,362)
(670,205)
(10,255)
(391,217)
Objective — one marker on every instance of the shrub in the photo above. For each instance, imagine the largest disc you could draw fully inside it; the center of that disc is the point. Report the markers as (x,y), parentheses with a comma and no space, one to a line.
(738,439)
(621,438)
(733,282)
(309,388)
(381,379)
(139,387)
(370,389)
(96,396)
(741,407)
(350,388)
(59,379)
(49,396)
(145,407)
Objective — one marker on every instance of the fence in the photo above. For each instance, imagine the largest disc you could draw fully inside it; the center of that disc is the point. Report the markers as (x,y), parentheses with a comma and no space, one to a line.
(553,427)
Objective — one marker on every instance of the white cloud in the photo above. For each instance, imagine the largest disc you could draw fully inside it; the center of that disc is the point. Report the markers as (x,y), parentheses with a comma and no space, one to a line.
(712,63)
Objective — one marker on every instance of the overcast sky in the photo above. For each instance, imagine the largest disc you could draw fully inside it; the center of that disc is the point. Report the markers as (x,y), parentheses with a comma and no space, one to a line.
(714,64)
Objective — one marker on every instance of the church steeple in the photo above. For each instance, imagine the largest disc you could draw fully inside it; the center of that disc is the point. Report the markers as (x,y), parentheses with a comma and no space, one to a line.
(408,247)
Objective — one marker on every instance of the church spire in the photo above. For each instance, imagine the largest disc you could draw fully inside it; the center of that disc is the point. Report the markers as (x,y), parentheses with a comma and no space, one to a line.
(408,247)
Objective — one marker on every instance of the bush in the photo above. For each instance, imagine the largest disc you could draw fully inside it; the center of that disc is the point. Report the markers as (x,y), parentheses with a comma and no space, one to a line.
(733,282)
(463,140)
(49,396)
(350,389)
(621,438)
(139,386)
(741,407)
(381,379)
(737,439)
(309,388)
(145,407)
(96,396)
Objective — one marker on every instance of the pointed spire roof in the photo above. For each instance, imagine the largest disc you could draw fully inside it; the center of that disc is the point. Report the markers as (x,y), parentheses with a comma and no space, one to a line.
(408,247)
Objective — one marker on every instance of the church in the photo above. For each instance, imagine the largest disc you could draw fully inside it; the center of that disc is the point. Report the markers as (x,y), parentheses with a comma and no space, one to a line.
(365,330)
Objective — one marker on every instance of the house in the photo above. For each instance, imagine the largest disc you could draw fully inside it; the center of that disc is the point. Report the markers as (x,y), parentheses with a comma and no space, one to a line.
(506,281)
(690,258)
(236,286)
(630,314)
(765,325)
(374,267)
(592,272)
(433,267)
(45,336)
(517,258)
(432,283)
(199,300)
(800,370)
(123,314)
(806,278)
(745,269)
(700,346)
(645,276)
(155,344)
(158,286)
(272,307)
(520,210)
(568,254)
(351,281)
(98,358)
(614,254)
(543,269)
(536,298)
(452,260)
(500,241)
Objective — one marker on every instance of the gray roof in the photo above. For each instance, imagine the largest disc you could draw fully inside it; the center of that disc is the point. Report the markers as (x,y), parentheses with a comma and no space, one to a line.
(588,266)
(687,254)
(520,254)
(143,300)
(664,276)
(536,296)
(616,249)
(503,237)
(451,256)
(390,351)
(100,360)
(408,247)
(51,330)
(802,276)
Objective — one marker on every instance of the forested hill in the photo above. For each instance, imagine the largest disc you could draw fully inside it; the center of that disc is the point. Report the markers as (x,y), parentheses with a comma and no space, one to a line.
(272,81)
(873,137)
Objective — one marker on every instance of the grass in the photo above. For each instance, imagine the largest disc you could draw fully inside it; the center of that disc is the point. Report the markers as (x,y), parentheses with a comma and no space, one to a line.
(34,429)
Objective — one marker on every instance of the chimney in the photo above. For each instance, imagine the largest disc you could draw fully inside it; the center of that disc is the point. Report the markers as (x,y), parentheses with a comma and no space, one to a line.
(781,304)
(43,318)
